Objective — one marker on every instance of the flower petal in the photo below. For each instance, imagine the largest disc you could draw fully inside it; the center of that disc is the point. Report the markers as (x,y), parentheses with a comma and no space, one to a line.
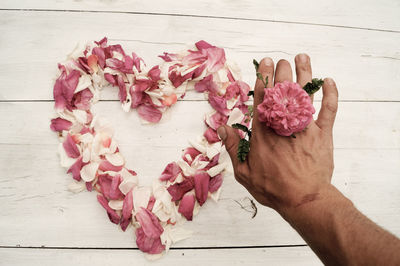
(201,181)
(149,223)
(186,206)
(114,217)
(171,171)
(89,171)
(70,147)
(127,211)
(177,190)
(60,124)
(149,113)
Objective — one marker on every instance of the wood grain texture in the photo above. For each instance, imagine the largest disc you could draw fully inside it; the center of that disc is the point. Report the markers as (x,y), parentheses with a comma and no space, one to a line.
(357,13)
(245,256)
(365,64)
(34,186)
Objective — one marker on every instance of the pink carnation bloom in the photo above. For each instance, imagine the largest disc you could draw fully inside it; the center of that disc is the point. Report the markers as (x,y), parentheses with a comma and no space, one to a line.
(286,108)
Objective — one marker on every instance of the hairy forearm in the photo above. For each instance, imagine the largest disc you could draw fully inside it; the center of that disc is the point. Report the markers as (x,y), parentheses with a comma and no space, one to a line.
(339,234)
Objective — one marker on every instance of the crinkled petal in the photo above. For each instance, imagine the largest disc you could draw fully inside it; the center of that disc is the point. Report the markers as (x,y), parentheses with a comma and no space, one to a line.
(149,223)
(186,206)
(171,171)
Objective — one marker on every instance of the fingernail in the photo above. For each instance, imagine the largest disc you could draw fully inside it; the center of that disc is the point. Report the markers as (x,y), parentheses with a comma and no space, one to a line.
(221,132)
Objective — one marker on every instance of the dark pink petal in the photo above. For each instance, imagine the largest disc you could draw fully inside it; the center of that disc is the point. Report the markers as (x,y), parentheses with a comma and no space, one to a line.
(218,103)
(211,135)
(149,222)
(60,124)
(232,90)
(203,45)
(89,186)
(154,73)
(82,99)
(186,206)
(64,88)
(213,162)
(101,57)
(177,190)
(102,43)
(127,208)
(192,152)
(167,57)
(150,205)
(114,217)
(206,84)
(111,78)
(230,76)
(215,59)
(75,169)
(137,98)
(136,61)
(170,172)
(107,166)
(201,180)
(83,64)
(115,63)
(215,183)
(122,89)
(109,186)
(115,193)
(117,48)
(147,244)
(142,84)
(70,147)
(176,78)
(149,113)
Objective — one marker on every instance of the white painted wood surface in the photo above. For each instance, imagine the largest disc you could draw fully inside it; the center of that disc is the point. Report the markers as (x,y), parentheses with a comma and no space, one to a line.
(37,209)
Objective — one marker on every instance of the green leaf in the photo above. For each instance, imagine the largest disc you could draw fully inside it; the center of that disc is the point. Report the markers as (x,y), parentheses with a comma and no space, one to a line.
(251,93)
(256,64)
(260,77)
(242,128)
(243,150)
(313,86)
(266,81)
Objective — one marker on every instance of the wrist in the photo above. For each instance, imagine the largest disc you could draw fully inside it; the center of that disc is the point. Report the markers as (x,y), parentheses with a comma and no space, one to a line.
(323,202)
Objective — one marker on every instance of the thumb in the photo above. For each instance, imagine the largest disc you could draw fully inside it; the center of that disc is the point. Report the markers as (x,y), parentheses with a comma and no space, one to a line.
(231,139)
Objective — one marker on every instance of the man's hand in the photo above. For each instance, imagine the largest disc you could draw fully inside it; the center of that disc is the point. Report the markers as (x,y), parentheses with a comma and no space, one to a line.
(283,172)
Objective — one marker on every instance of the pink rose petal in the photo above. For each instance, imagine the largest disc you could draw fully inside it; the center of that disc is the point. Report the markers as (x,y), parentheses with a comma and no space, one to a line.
(70,147)
(177,190)
(114,217)
(211,135)
(107,166)
(186,206)
(127,208)
(75,169)
(59,124)
(206,84)
(149,113)
(149,223)
(148,244)
(215,183)
(170,172)
(201,181)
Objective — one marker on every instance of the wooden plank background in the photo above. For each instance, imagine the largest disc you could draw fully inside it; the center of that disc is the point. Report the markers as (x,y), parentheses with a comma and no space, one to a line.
(42,223)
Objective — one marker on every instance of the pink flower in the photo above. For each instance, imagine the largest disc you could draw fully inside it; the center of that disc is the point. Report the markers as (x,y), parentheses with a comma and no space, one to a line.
(286,108)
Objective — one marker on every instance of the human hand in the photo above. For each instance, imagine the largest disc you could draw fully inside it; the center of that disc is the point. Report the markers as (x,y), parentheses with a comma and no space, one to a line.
(284,172)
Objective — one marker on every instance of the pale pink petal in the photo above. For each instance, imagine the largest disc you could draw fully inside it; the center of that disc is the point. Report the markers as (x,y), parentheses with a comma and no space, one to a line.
(170,172)
(149,113)
(201,181)
(148,244)
(89,171)
(59,124)
(127,211)
(111,78)
(114,217)
(70,147)
(177,190)
(186,206)
(217,120)
(215,183)
(149,222)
